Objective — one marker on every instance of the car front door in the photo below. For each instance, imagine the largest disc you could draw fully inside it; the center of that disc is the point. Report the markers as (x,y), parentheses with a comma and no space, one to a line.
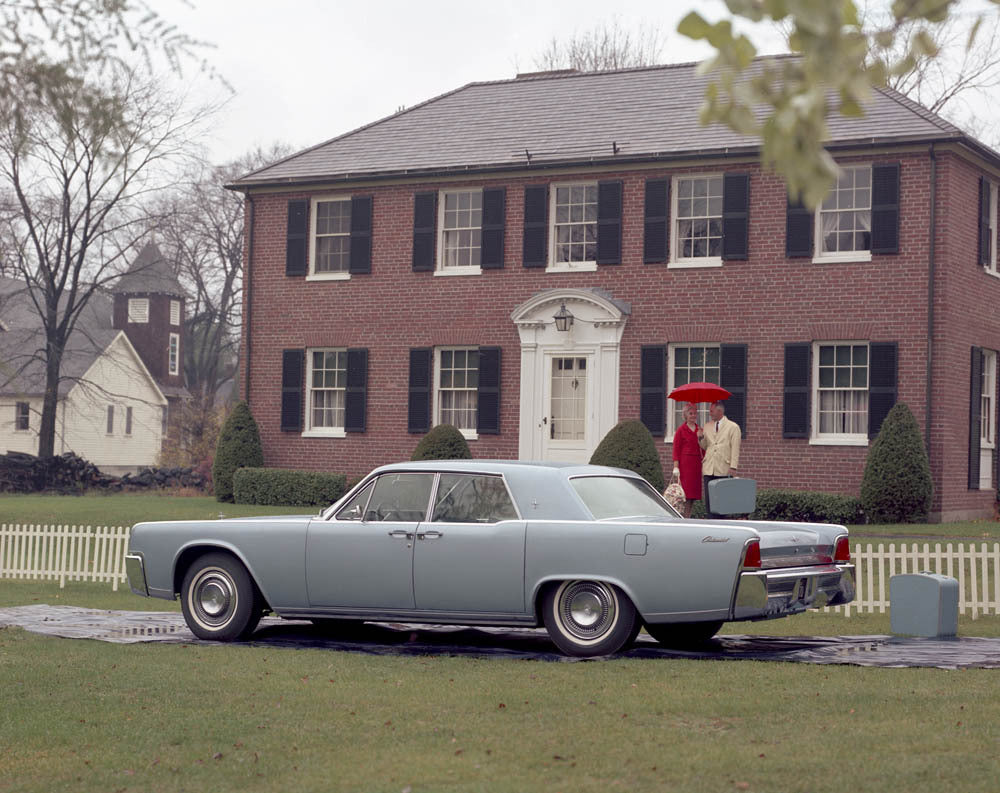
(362,557)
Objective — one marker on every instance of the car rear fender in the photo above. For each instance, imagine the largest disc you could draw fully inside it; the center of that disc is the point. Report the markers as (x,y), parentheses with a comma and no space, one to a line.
(542,585)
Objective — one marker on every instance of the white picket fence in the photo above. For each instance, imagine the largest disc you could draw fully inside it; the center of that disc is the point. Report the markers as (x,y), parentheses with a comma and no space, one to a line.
(83,553)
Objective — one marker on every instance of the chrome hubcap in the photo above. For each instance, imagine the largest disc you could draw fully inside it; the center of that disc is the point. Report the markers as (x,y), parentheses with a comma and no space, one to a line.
(588,609)
(213,597)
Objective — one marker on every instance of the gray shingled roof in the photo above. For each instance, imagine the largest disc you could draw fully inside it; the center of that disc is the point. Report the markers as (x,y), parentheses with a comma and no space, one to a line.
(150,273)
(632,114)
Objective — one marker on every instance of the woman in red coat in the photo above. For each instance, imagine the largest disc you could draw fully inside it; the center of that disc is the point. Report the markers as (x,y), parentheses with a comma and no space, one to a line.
(687,457)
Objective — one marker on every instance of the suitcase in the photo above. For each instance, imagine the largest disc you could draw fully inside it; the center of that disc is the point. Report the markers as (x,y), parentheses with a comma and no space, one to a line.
(923,604)
(733,496)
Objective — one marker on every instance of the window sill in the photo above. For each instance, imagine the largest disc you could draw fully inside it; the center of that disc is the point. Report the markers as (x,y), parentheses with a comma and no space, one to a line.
(460,271)
(470,435)
(577,267)
(331,433)
(843,440)
(688,264)
(851,256)
(328,277)
(995,273)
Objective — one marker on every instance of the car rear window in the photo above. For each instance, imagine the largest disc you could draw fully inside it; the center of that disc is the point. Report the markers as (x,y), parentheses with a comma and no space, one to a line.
(620,497)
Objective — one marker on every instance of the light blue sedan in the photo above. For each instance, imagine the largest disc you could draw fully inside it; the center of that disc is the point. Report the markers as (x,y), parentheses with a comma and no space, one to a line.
(592,553)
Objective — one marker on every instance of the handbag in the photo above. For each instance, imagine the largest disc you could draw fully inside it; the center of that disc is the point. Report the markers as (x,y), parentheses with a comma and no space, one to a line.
(674,493)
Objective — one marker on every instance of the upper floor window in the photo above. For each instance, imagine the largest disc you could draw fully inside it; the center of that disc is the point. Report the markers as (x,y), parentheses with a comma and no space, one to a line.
(175,312)
(458,388)
(330,254)
(697,236)
(461,225)
(690,363)
(173,353)
(574,226)
(840,384)
(22,416)
(844,221)
(138,310)
(326,379)
(991,233)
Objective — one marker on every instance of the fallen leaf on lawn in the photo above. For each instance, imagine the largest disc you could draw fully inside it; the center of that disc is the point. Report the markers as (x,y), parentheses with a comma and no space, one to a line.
(217,756)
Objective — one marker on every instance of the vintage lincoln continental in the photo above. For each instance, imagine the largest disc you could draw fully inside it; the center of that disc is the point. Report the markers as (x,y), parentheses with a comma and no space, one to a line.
(592,553)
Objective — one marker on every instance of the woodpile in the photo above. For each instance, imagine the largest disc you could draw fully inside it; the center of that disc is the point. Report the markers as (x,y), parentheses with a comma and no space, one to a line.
(69,473)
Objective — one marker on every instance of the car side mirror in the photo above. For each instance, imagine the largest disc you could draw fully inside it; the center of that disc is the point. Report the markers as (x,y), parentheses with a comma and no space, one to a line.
(352,513)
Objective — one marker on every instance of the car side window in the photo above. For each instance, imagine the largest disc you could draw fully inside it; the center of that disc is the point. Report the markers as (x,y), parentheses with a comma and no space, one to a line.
(400,497)
(355,508)
(467,498)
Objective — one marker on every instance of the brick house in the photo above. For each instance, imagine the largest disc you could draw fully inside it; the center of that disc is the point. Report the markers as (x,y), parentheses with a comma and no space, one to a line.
(410,273)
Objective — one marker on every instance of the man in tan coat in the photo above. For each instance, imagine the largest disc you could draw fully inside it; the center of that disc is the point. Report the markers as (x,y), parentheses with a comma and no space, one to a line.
(720,439)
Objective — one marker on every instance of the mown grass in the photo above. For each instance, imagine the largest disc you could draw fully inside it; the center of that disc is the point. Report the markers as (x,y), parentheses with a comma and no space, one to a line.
(87,716)
(125,509)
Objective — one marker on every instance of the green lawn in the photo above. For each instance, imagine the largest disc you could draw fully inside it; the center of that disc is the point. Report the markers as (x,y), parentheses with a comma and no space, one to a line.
(87,716)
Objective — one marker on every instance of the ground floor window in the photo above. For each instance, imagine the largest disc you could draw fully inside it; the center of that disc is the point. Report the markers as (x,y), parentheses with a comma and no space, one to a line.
(690,363)
(840,386)
(987,419)
(22,416)
(326,392)
(457,392)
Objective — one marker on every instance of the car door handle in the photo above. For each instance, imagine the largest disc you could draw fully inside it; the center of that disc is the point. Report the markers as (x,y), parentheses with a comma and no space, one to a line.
(429,535)
(401,534)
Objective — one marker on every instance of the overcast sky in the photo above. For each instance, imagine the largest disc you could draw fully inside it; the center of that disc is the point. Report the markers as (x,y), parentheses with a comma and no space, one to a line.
(305,71)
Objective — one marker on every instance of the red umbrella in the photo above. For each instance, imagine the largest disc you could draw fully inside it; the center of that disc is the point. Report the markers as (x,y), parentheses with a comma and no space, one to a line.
(699,392)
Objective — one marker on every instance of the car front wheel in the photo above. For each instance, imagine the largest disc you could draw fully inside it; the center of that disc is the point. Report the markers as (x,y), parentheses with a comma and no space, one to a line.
(588,618)
(218,599)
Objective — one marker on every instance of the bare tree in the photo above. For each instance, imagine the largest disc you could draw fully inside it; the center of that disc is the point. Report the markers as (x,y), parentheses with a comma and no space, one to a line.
(604,47)
(80,166)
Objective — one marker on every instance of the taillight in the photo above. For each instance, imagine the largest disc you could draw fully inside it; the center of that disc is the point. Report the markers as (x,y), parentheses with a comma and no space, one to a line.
(842,551)
(751,558)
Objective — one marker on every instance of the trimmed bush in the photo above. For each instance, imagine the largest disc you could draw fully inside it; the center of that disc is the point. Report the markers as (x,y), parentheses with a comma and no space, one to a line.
(238,447)
(897,486)
(803,506)
(444,442)
(279,487)
(629,445)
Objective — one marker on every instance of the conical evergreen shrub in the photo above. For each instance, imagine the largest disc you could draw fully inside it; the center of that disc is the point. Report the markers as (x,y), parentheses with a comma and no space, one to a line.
(238,447)
(629,445)
(444,442)
(897,486)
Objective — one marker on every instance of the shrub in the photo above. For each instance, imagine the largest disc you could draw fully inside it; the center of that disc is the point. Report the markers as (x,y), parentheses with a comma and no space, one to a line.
(238,447)
(444,442)
(629,445)
(896,486)
(803,506)
(279,487)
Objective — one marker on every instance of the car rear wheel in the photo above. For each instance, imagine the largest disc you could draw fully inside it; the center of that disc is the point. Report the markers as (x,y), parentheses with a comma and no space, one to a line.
(683,634)
(588,618)
(219,600)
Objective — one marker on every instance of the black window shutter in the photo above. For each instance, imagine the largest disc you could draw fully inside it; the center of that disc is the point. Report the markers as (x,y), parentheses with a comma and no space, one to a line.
(733,377)
(421,371)
(424,231)
(494,206)
(297,241)
(975,415)
(735,216)
(292,378)
(361,235)
(488,413)
(356,392)
(885,208)
(609,222)
(536,225)
(798,234)
(883,363)
(653,388)
(984,221)
(657,210)
(795,418)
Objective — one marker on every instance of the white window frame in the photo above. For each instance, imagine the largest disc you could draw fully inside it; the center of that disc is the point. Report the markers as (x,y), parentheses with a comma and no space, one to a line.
(671,369)
(816,437)
(138,310)
(440,268)
(25,414)
(991,265)
(568,267)
(842,256)
(174,353)
(987,418)
(322,432)
(470,434)
(175,312)
(676,260)
(312,275)
(109,423)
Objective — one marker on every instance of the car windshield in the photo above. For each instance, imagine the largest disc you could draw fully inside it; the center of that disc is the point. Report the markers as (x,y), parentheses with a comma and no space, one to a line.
(620,497)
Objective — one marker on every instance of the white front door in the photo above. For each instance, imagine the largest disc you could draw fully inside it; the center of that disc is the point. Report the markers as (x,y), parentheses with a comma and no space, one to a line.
(567,399)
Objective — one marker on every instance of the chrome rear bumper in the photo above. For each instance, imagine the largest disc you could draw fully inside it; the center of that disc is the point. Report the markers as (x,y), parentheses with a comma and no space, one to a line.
(135,569)
(763,594)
